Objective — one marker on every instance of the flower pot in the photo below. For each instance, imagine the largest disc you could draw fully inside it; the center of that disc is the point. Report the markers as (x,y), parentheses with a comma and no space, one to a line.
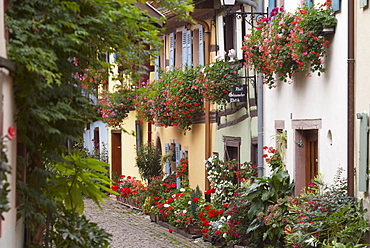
(327,31)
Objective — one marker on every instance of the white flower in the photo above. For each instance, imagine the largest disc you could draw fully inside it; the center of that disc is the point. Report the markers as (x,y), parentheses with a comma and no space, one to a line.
(166,205)
(224,235)
(189,202)
(182,190)
(185,211)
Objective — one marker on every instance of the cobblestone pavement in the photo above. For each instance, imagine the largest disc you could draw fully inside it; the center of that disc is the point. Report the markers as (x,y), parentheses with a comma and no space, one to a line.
(133,229)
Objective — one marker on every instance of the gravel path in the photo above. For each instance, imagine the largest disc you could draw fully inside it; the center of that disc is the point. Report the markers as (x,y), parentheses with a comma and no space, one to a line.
(133,229)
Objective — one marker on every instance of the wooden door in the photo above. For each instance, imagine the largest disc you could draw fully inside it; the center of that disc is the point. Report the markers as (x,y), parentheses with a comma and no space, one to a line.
(116,155)
(311,151)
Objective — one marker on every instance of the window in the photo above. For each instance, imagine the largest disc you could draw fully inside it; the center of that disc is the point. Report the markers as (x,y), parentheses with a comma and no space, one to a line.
(232,151)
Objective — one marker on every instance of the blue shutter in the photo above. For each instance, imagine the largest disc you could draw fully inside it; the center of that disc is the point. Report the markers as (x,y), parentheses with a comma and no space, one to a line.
(172,51)
(309,3)
(168,163)
(115,57)
(189,42)
(363,3)
(336,5)
(156,68)
(177,151)
(272,4)
(184,53)
(201,46)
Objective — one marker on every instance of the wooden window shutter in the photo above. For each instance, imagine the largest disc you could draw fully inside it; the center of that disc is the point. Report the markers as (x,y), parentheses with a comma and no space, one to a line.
(172,50)
(363,3)
(189,42)
(201,46)
(184,48)
(156,68)
(336,5)
(168,163)
(177,151)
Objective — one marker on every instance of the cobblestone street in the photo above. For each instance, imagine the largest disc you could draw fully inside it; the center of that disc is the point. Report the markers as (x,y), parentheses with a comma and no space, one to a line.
(133,229)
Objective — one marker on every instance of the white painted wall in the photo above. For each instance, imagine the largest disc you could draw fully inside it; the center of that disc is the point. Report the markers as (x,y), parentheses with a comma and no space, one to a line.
(88,136)
(316,97)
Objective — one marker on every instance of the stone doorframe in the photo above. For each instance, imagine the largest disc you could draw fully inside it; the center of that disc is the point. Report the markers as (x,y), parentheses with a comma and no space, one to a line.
(300,126)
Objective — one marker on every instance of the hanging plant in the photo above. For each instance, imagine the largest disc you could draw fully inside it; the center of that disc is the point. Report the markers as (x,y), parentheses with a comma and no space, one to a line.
(286,42)
(217,80)
(116,105)
(178,95)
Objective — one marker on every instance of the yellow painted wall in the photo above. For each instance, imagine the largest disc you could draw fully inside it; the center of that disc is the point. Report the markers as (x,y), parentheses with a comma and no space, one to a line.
(194,143)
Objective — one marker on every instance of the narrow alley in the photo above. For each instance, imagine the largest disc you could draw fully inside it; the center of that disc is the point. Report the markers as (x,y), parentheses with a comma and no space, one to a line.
(133,229)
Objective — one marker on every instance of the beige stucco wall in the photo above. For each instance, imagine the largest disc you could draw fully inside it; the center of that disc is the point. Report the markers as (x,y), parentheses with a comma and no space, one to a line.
(362,76)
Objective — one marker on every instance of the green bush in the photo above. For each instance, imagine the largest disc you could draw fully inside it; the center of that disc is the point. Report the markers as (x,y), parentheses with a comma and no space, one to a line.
(148,161)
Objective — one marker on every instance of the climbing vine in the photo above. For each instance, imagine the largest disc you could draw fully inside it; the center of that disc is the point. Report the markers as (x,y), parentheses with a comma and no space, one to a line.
(54,45)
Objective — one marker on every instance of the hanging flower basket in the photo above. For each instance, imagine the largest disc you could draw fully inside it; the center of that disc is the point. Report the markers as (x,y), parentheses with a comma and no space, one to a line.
(286,43)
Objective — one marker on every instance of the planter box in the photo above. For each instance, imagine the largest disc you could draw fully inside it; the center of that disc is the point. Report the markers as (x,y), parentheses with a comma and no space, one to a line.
(153,217)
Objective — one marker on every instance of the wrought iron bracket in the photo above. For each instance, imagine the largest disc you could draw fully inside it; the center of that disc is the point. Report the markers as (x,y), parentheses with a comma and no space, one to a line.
(250,17)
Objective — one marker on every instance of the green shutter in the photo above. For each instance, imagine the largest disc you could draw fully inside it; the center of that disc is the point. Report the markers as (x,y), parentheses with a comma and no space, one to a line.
(363,153)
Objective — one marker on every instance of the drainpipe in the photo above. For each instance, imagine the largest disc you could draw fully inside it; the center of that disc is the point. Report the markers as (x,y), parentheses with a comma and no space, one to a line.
(351,112)
(207,42)
(260,8)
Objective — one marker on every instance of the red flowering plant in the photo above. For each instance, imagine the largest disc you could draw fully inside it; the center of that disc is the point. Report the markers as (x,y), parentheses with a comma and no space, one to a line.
(285,43)
(273,157)
(217,79)
(182,170)
(172,100)
(115,106)
(130,190)
(212,217)
(179,207)
(178,96)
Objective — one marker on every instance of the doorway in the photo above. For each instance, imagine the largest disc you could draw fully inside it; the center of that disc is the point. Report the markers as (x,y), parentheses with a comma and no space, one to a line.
(116,154)
(306,158)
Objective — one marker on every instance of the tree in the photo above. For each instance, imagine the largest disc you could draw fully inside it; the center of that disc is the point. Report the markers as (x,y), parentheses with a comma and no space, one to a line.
(56,45)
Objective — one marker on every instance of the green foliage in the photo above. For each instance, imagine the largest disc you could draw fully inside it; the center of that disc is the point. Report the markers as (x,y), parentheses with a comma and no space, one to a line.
(257,212)
(77,178)
(72,230)
(148,161)
(55,46)
(5,170)
(326,214)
